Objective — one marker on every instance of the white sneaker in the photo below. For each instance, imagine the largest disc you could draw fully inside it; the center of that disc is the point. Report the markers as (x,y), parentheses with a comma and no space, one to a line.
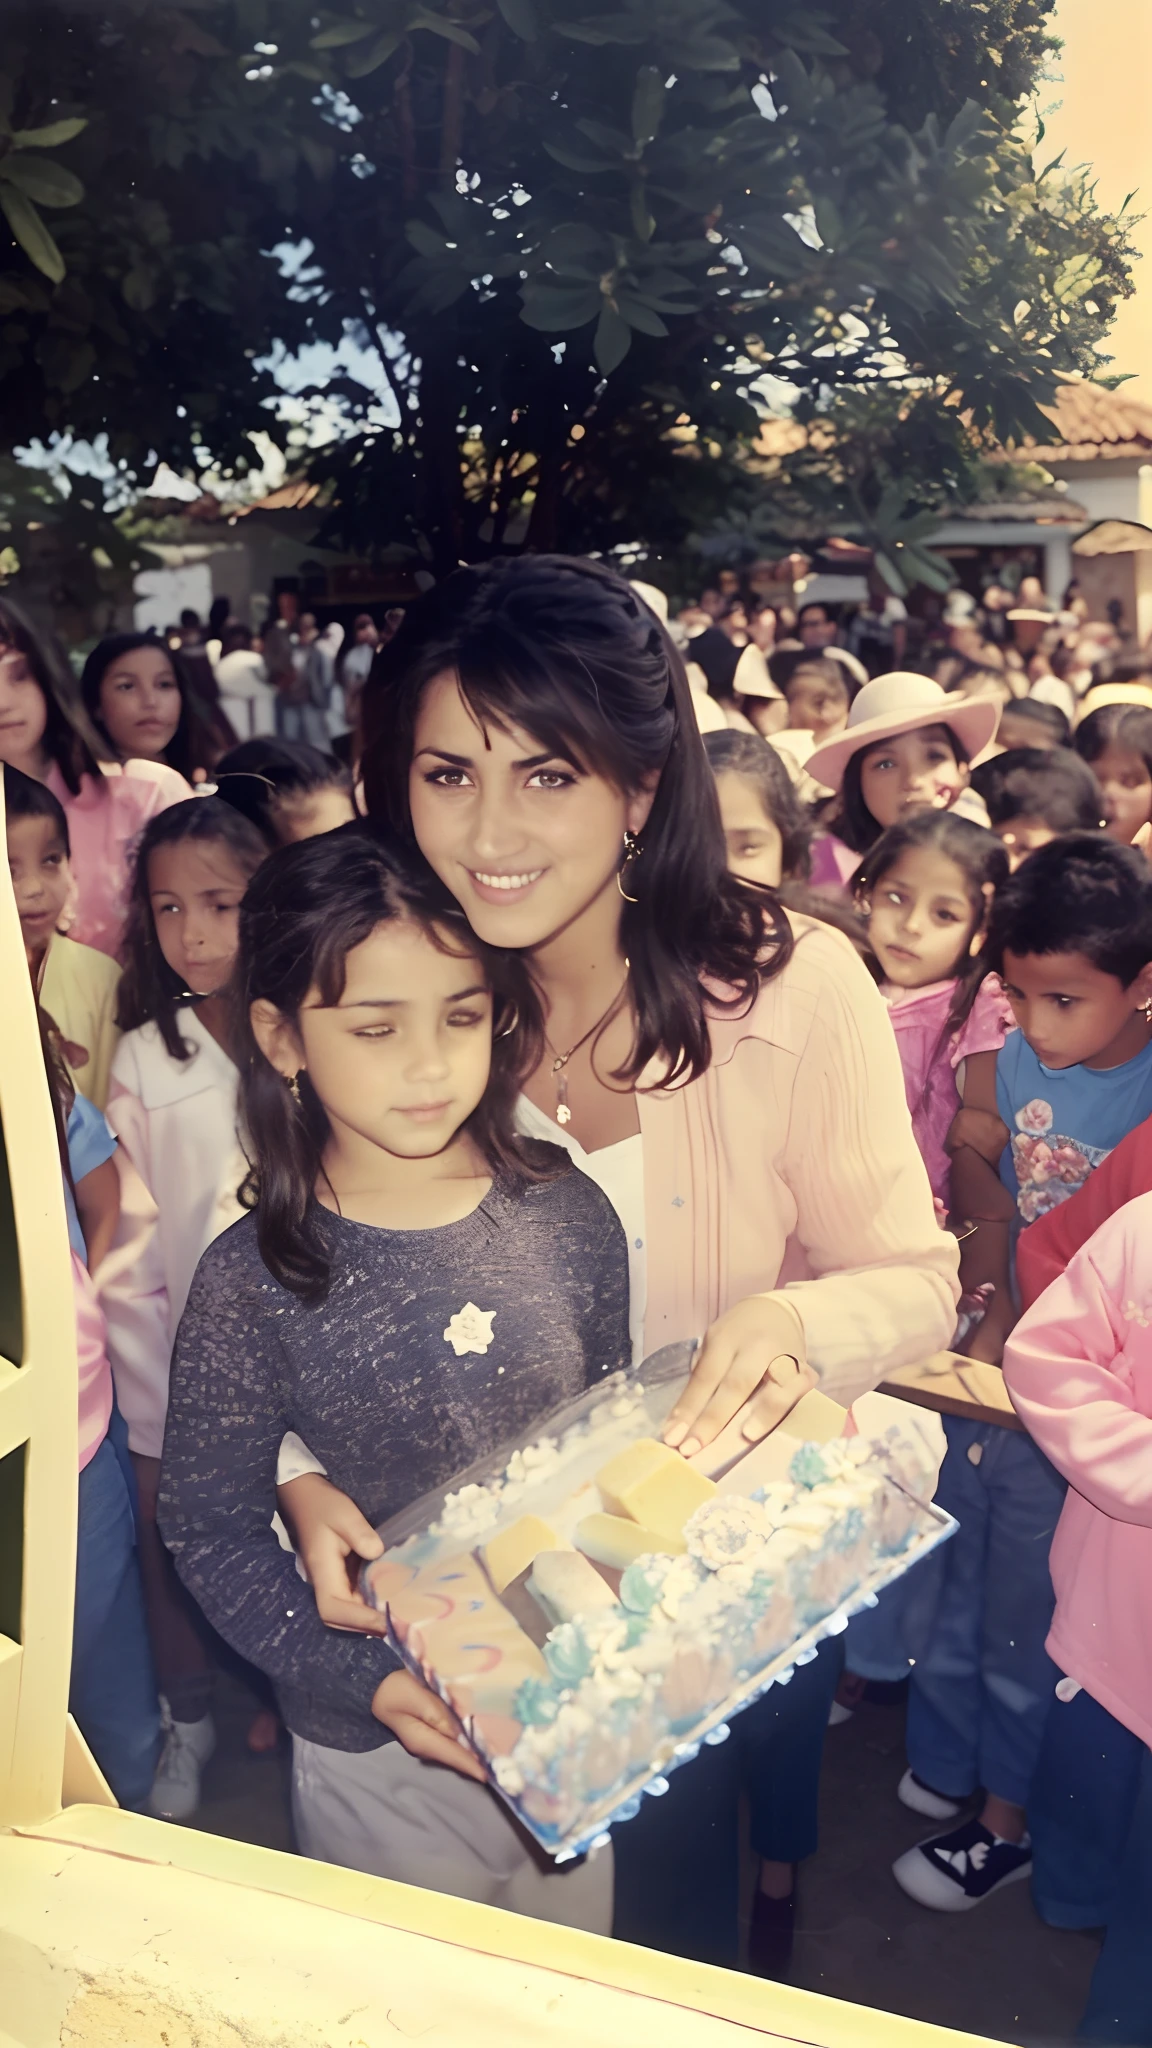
(175,1793)
(922,1799)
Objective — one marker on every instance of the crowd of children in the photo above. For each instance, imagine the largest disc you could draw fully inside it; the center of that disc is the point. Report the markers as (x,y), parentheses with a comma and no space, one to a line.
(238,1025)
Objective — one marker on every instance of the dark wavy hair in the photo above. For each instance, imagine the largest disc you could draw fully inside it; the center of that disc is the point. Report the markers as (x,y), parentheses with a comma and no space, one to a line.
(565,649)
(1082,893)
(310,904)
(150,993)
(978,856)
(260,776)
(202,732)
(70,739)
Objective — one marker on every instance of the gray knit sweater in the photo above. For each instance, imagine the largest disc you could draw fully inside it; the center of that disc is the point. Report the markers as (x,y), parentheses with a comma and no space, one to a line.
(371,1380)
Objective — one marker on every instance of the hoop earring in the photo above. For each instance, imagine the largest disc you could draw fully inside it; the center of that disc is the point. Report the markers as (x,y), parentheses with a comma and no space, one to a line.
(1145,1010)
(292,1082)
(632,851)
(513,1026)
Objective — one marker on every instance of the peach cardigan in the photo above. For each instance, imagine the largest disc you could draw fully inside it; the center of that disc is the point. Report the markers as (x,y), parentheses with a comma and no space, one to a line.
(790,1165)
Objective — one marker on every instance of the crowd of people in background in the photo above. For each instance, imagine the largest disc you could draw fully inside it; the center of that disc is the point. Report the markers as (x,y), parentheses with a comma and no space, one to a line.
(965,797)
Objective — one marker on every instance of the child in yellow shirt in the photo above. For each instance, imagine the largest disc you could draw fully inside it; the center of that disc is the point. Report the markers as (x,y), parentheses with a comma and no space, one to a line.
(75,984)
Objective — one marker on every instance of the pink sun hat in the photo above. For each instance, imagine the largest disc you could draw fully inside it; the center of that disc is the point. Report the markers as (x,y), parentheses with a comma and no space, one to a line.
(898,703)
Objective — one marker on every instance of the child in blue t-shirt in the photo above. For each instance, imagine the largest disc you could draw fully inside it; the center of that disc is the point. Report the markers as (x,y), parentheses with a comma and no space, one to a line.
(1070,934)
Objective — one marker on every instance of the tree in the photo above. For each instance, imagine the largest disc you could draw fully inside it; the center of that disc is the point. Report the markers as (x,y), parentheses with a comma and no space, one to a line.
(577,233)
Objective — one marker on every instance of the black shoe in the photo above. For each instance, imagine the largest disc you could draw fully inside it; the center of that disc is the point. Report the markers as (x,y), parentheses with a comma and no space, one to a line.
(954,1872)
(771,1934)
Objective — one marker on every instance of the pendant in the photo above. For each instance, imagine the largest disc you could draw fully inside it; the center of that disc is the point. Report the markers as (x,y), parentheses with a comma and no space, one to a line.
(563,1113)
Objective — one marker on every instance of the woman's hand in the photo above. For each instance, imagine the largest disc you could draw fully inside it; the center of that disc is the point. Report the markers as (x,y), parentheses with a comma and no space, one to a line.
(331,1536)
(423,1724)
(753,1354)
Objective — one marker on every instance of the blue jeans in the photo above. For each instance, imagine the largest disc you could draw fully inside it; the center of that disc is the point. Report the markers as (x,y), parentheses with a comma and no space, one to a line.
(678,1862)
(1119,2005)
(983,1680)
(113,1688)
(302,722)
(1080,1811)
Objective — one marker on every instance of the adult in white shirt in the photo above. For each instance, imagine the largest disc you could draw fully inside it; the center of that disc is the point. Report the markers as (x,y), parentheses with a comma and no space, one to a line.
(246,695)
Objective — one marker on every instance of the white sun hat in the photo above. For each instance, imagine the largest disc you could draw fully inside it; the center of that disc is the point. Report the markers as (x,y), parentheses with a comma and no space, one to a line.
(898,703)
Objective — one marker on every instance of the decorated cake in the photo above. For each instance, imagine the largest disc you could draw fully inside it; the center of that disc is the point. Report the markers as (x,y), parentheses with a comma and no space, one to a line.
(595,1609)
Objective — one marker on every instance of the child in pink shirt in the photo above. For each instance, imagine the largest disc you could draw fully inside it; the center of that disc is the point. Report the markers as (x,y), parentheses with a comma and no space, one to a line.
(45,732)
(1079,1368)
(924,891)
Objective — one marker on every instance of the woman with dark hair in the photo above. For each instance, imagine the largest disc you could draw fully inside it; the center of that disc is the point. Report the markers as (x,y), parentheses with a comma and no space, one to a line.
(46,732)
(725,1072)
(141,699)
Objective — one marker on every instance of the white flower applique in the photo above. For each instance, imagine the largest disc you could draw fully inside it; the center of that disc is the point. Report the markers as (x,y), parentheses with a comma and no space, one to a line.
(470,1329)
(1133,1313)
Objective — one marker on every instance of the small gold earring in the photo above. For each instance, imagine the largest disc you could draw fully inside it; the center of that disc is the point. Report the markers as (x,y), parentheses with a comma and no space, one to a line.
(293,1081)
(1146,1010)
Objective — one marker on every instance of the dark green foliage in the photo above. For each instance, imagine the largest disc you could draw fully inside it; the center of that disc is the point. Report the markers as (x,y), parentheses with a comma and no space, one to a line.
(569,228)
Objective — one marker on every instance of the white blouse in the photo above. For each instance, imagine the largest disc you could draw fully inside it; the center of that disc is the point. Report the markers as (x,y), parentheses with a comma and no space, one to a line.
(618,1171)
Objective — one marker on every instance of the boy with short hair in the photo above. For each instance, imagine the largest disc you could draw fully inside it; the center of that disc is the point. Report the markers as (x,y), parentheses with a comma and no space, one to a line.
(1034,794)
(1070,934)
(75,984)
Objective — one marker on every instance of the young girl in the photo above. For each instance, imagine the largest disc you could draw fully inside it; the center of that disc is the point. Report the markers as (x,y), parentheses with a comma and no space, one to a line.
(141,699)
(925,890)
(906,748)
(76,984)
(46,733)
(1116,741)
(172,1104)
(286,788)
(1079,1369)
(413,1288)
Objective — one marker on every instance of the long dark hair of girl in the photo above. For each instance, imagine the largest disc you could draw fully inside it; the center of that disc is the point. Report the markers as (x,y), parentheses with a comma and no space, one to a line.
(150,992)
(203,731)
(70,739)
(850,819)
(310,905)
(982,862)
(566,650)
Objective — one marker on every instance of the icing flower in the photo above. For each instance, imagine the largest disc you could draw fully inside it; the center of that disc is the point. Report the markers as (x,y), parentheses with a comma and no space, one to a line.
(808,1467)
(1035,1117)
(726,1530)
(567,1655)
(536,1703)
(470,1329)
(639,1589)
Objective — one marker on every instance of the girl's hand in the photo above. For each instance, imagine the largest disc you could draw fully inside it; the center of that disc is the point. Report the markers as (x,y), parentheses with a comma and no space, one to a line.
(331,1536)
(423,1724)
(755,1354)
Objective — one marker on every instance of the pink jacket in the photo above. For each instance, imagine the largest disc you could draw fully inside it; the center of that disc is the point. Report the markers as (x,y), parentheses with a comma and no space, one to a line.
(791,1165)
(1079,1369)
(104,822)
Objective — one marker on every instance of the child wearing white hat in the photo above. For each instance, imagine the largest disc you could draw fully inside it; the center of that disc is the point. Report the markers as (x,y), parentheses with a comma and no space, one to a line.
(906,748)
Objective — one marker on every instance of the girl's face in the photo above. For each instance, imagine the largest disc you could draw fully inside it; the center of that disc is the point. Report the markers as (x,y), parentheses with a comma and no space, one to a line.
(921,920)
(23,714)
(755,846)
(817,704)
(41,878)
(527,841)
(1126,788)
(401,1061)
(140,703)
(916,771)
(195,888)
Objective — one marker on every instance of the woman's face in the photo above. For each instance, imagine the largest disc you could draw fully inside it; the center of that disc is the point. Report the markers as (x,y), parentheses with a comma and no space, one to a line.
(140,703)
(23,714)
(526,840)
(755,847)
(915,771)
(1126,788)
